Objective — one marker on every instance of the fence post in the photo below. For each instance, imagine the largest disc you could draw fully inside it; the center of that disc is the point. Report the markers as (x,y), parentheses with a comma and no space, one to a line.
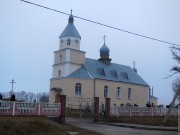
(161,112)
(39,108)
(130,111)
(107,109)
(13,108)
(117,111)
(96,109)
(141,112)
(152,112)
(63,108)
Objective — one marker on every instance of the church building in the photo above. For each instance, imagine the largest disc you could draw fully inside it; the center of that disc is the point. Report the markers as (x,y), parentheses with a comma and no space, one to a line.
(74,75)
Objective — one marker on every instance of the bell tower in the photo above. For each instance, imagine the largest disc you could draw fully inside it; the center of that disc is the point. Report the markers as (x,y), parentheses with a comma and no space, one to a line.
(69,57)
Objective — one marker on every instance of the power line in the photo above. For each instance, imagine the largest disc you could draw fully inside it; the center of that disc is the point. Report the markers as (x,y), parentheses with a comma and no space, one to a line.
(129,32)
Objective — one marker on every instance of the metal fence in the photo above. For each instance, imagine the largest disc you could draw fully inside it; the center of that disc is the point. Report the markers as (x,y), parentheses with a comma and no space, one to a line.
(86,104)
(137,111)
(26,108)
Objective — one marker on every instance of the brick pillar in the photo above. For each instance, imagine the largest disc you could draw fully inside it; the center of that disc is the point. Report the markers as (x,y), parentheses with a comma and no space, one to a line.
(107,109)
(63,108)
(96,109)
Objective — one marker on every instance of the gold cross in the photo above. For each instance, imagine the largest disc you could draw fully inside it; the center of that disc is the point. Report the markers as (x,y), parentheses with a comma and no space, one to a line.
(104,38)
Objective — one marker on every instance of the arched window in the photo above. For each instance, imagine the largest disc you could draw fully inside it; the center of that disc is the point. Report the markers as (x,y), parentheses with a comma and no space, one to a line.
(105,91)
(68,42)
(78,89)
(61,41)
(118,95)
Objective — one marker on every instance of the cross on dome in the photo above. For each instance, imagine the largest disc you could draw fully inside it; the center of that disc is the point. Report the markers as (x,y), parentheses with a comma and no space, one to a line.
(134,63)
(71,11)
(104,38)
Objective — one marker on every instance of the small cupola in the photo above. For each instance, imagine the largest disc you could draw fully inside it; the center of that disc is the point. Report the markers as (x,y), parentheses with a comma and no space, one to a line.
(104,53)
(104,50)
(71,18)
(134,68)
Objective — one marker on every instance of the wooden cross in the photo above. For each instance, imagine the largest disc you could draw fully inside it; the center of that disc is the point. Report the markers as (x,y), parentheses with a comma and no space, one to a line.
(12,83)
(71,11)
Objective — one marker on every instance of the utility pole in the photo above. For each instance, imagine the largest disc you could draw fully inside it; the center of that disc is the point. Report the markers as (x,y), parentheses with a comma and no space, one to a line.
(171,106)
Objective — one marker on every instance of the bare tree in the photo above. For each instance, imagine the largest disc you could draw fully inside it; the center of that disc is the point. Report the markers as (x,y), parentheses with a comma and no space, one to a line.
(176,84)
(44,98)
(176,87)
(176,56)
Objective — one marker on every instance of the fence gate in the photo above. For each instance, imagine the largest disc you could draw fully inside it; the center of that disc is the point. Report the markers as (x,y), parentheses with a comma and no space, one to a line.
(80,108)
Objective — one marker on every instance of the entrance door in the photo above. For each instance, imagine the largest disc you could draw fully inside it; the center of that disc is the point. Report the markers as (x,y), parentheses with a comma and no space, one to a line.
(58,98)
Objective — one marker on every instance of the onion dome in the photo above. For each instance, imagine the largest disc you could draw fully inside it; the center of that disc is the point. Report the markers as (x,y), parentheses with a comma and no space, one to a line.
(104,54)
(104,50)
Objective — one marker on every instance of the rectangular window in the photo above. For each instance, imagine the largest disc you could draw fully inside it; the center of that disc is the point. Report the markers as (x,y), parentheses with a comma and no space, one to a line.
(60,58)
(68,42)
(129,93)
(59,73)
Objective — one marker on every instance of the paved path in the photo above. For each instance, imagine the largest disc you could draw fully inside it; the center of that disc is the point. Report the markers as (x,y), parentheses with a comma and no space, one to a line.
(115,130)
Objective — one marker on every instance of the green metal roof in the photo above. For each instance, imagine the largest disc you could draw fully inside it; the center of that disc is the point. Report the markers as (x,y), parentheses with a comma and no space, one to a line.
(70,30)
(114,72)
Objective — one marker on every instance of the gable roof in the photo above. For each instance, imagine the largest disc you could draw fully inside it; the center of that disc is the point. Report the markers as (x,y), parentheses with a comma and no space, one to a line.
(80,73)
(114,72)
(153,97)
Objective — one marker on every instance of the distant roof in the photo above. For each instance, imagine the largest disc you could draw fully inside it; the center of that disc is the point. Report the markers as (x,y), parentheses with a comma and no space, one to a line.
(70,30)
(114,72)
(153,97)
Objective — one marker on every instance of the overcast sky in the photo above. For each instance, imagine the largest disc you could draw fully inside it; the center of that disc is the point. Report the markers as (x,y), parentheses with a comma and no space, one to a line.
(29,36)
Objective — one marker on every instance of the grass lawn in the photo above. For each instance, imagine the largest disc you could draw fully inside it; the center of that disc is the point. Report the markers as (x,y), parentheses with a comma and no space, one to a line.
(33,125)
(153,121)
(172,121)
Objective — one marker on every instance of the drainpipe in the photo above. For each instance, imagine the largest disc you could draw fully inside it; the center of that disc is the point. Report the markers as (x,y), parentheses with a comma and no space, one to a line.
(94,87)
(149,94)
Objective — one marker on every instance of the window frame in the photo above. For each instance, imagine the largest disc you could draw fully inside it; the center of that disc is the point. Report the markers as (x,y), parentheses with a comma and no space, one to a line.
(105,91)
(60,57)
(129,93)
(59,73)
(76,41)
(78,88)
(68,41)
(118,92)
